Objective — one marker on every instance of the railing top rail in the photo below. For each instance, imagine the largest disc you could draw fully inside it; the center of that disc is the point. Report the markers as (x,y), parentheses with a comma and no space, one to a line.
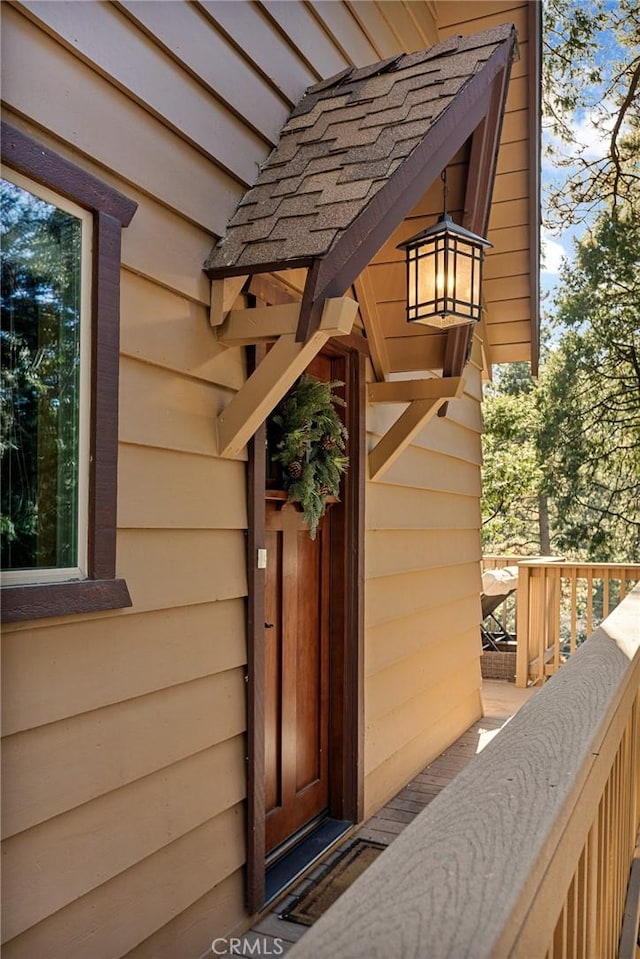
(464,878)
(569,564)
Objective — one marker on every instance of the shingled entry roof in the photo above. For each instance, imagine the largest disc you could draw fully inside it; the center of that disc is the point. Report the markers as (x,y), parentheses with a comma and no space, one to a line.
(341,145)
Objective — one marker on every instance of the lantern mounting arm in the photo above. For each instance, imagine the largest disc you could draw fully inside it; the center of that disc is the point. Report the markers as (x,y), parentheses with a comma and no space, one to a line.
(425,397)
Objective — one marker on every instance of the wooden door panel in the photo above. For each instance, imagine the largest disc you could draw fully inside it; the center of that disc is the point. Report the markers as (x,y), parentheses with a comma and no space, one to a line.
(311,664)
(297,673)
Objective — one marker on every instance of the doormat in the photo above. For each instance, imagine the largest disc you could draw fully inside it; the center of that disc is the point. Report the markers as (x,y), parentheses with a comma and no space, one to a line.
(323,893)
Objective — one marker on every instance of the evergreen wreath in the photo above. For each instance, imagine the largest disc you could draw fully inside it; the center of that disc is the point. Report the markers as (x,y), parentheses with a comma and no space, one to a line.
(309,442)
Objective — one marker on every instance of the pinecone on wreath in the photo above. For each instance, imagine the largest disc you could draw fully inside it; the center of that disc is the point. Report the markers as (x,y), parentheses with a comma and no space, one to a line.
(295,469)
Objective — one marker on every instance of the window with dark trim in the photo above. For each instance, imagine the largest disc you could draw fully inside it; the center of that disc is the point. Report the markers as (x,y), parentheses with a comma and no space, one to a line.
(61,291)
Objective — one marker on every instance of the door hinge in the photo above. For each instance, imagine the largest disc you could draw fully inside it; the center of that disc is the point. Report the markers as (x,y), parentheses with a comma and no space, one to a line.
(262,559)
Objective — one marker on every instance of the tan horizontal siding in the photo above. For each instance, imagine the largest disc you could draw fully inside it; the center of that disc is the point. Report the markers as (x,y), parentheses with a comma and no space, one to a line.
(219,910)
(162,489)
(172,331)
(115,131)
(381,783)
(413,677)
(392,597)
(511,186)
(514,126)
(347,35)
(418,509)
(511,353)
(50,770)
(251,31)
(114,918)
(166,568)
(388,733)
(417,631)
(46,868)
(422,594)
(373,24)
(423,468)
(135,64)
(313,45)
(391,552)
(182,29)
(168,411)
(517,286)
(513,156)
(509,311)
(52,673)
(506,265)
(158,244)
(506,240)
(449,435)
(480,15)
(404,25)
(500,333)
(164,247)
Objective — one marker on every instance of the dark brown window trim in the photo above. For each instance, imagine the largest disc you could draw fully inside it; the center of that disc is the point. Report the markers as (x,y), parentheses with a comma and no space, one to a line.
(111,211)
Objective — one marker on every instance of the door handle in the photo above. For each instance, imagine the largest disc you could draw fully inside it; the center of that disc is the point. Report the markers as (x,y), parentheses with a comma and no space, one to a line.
(268,625)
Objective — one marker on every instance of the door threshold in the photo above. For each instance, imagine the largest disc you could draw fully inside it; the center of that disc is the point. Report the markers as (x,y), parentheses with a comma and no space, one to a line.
(287,869)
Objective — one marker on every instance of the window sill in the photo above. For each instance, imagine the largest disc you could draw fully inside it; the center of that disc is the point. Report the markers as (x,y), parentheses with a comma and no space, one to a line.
(21,603)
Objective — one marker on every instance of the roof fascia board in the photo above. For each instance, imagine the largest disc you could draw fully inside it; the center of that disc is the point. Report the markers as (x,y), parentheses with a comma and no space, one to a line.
(388,208)
(479,192)
(534,54)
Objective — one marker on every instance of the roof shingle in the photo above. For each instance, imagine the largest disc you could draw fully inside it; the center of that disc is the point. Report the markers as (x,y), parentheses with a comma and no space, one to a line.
(340,145)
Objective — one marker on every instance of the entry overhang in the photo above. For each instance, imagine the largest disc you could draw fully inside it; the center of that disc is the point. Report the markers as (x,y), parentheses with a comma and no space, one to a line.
(356,155)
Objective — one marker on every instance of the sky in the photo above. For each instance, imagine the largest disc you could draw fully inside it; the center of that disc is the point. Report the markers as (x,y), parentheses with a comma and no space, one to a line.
(558,246)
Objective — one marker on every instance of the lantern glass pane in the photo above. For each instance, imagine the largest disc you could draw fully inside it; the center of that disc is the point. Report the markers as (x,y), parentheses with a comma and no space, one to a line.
(463,283)
(477,261)
(411,286)
(441,272)
(427,284)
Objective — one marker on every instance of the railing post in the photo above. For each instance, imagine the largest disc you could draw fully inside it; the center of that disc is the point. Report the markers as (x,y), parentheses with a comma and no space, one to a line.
(522,619)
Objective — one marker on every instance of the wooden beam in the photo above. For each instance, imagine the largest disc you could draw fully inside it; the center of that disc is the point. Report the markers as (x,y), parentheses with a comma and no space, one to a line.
(477,203)
(277,372)
(398,437)
(371,319)
(224,293)
(262,324)
(406,391)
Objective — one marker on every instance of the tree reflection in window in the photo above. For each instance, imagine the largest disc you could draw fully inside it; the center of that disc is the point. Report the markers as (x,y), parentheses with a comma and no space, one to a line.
(40,385)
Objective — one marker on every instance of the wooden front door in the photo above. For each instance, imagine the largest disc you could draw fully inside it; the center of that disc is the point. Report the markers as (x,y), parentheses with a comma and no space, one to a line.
(296,673)
(298,625)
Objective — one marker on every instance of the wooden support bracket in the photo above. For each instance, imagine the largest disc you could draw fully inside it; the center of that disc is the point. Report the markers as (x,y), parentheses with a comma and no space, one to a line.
(405,391)
(372,325)
(425,399)
(264,324)
(224,293)
(280,368)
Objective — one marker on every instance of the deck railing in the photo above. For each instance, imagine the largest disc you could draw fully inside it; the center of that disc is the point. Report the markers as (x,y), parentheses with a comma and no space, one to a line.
(527,853)
(506,614)
(559,604)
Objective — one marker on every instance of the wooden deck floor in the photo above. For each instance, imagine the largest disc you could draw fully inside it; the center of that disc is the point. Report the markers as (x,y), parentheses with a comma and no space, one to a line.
(502,700)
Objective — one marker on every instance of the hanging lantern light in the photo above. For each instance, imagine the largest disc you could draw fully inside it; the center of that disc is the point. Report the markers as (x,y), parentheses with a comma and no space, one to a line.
(444,274)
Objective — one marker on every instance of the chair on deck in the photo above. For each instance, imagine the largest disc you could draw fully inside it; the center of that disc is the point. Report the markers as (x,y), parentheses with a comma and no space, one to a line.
(497,586)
